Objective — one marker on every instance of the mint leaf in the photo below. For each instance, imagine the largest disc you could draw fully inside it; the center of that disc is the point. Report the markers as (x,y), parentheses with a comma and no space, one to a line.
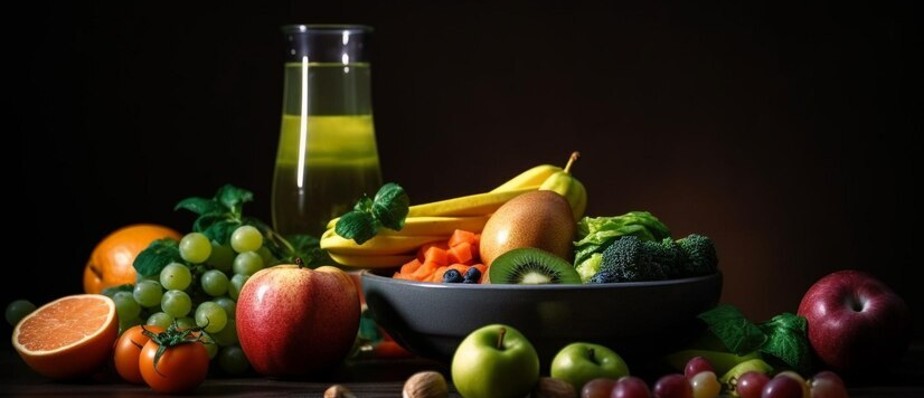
(364,204)
(233,198)
(391,205)
(308,248)
(736,332)
(201,206)
(220,231)
(787,341)
(356,225)
(156,256)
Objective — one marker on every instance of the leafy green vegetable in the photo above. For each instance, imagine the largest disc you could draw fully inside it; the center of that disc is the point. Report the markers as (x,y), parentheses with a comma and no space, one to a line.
(595,234)
(156,256)
(782,338)
(389,209)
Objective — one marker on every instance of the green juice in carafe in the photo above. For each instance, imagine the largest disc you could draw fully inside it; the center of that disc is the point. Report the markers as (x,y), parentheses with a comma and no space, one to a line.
(327,156)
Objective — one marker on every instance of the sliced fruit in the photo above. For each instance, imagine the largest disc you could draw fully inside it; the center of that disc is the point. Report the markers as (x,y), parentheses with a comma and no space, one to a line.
(531,266)
(68,338)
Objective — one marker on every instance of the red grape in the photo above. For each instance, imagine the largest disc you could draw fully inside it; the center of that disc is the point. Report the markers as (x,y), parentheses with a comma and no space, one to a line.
(782,387)
(697,364)
(827,384)
(673,385)
(705,385)
(630,387)
(751,384)
(600,387)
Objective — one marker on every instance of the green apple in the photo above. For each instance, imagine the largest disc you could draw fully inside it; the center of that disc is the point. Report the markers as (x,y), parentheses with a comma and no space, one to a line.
(495,361)
(580,362)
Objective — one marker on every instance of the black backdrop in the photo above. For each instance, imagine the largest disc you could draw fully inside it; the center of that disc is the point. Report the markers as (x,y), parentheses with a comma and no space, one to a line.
(783,132)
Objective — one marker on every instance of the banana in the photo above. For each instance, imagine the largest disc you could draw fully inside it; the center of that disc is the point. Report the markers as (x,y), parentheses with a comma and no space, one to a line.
(382,261)
(378,245)
(471,205)
(721,361)
(566,185)
(730,379)
(533,177)
(424,225)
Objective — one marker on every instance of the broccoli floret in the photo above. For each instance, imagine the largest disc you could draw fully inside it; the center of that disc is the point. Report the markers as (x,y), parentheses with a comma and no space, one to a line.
(668,256)
(700,255)
(629,259)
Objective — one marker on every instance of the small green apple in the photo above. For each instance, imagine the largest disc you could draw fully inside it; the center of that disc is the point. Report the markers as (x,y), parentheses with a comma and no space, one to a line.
(495,361)
(580,362)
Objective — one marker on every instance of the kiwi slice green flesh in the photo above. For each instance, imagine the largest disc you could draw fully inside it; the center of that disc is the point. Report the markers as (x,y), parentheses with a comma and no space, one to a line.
(531,266)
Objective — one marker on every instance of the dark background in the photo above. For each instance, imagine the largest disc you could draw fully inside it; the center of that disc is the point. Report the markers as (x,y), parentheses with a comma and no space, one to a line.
(783,132)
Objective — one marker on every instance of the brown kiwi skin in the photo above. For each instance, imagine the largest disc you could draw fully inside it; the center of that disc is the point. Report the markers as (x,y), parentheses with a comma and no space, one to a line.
(505,268)
(540,219)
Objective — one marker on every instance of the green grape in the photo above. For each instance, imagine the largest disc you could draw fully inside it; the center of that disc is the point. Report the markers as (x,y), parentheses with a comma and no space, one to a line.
(211,317)
(175,276)
(161,319)
(211,347)
(214,282)
(185,322)
(126,323)
(195,247)
(248,263)
(16,310)
(222,257)
(228,304)
(176,303)
(246,238)
(237,283)
(267,256)
(231,360)
(228,335)
(148,293)
(126,306)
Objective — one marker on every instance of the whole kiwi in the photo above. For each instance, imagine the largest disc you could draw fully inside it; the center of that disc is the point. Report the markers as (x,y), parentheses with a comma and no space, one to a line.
(541,219)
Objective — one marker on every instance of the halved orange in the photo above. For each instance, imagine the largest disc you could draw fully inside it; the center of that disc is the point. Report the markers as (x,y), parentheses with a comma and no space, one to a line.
(68,338)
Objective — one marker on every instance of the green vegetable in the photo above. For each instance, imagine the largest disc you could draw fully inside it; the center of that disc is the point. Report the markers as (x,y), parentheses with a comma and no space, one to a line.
(589,267)
(595,234)
(631,259)
(388,209)
(783,338)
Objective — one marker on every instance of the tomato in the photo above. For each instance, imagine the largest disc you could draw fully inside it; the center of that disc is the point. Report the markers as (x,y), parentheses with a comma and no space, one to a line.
(180,368)
(128,349)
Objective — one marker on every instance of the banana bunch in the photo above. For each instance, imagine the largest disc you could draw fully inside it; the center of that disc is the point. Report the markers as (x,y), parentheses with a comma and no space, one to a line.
(436,221)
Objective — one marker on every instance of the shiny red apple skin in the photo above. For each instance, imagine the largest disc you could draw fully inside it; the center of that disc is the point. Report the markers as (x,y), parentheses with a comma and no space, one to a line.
(292,320)
(856,322)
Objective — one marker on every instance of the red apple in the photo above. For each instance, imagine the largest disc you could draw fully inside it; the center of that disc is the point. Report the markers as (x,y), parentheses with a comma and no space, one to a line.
(293,320)
(856,322)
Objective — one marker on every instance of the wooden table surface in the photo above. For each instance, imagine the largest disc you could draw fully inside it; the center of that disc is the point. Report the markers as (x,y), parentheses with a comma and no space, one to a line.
(366,378)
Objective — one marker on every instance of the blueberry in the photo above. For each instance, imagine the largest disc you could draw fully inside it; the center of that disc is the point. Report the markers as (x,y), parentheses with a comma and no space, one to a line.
(452,276)
(605,277)
(473,275)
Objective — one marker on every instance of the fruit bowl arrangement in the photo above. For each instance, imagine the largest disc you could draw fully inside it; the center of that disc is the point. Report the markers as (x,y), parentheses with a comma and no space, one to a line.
(633,318)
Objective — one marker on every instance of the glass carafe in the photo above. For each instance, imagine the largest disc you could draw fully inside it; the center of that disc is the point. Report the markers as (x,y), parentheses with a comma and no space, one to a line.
(327,156)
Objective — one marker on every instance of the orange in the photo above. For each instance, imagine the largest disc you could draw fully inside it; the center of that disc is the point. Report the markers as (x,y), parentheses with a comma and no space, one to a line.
(111,261)
(68,338)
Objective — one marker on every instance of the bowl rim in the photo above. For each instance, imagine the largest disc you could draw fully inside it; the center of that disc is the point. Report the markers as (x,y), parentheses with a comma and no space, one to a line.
(370,274)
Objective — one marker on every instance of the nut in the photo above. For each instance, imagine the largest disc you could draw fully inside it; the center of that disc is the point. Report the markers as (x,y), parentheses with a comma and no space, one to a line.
(549,387)
(338,391)
(427,384)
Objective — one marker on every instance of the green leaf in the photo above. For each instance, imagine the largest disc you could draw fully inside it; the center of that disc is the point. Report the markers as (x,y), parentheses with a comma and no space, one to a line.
(112,290)
(201,206)
(204,222)
(233,198)
(357,225)
(787,341)
(391,205)
(308,248)
(364,204)
(156,256)
(736,332)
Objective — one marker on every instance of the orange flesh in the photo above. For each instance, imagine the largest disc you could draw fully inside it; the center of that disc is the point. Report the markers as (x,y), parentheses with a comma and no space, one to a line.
(56,326)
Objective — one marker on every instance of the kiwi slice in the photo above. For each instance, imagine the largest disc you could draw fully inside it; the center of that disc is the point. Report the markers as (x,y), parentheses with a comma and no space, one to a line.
(531,266)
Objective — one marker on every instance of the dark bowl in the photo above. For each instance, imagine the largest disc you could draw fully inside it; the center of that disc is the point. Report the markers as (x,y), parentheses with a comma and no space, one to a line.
(634,319)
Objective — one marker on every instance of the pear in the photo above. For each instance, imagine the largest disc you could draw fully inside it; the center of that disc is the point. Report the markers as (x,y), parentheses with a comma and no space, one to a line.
(542,219)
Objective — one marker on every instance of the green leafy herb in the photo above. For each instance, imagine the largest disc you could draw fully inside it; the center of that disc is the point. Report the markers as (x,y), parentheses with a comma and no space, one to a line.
(783,338)
(217,218)
(388,209)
